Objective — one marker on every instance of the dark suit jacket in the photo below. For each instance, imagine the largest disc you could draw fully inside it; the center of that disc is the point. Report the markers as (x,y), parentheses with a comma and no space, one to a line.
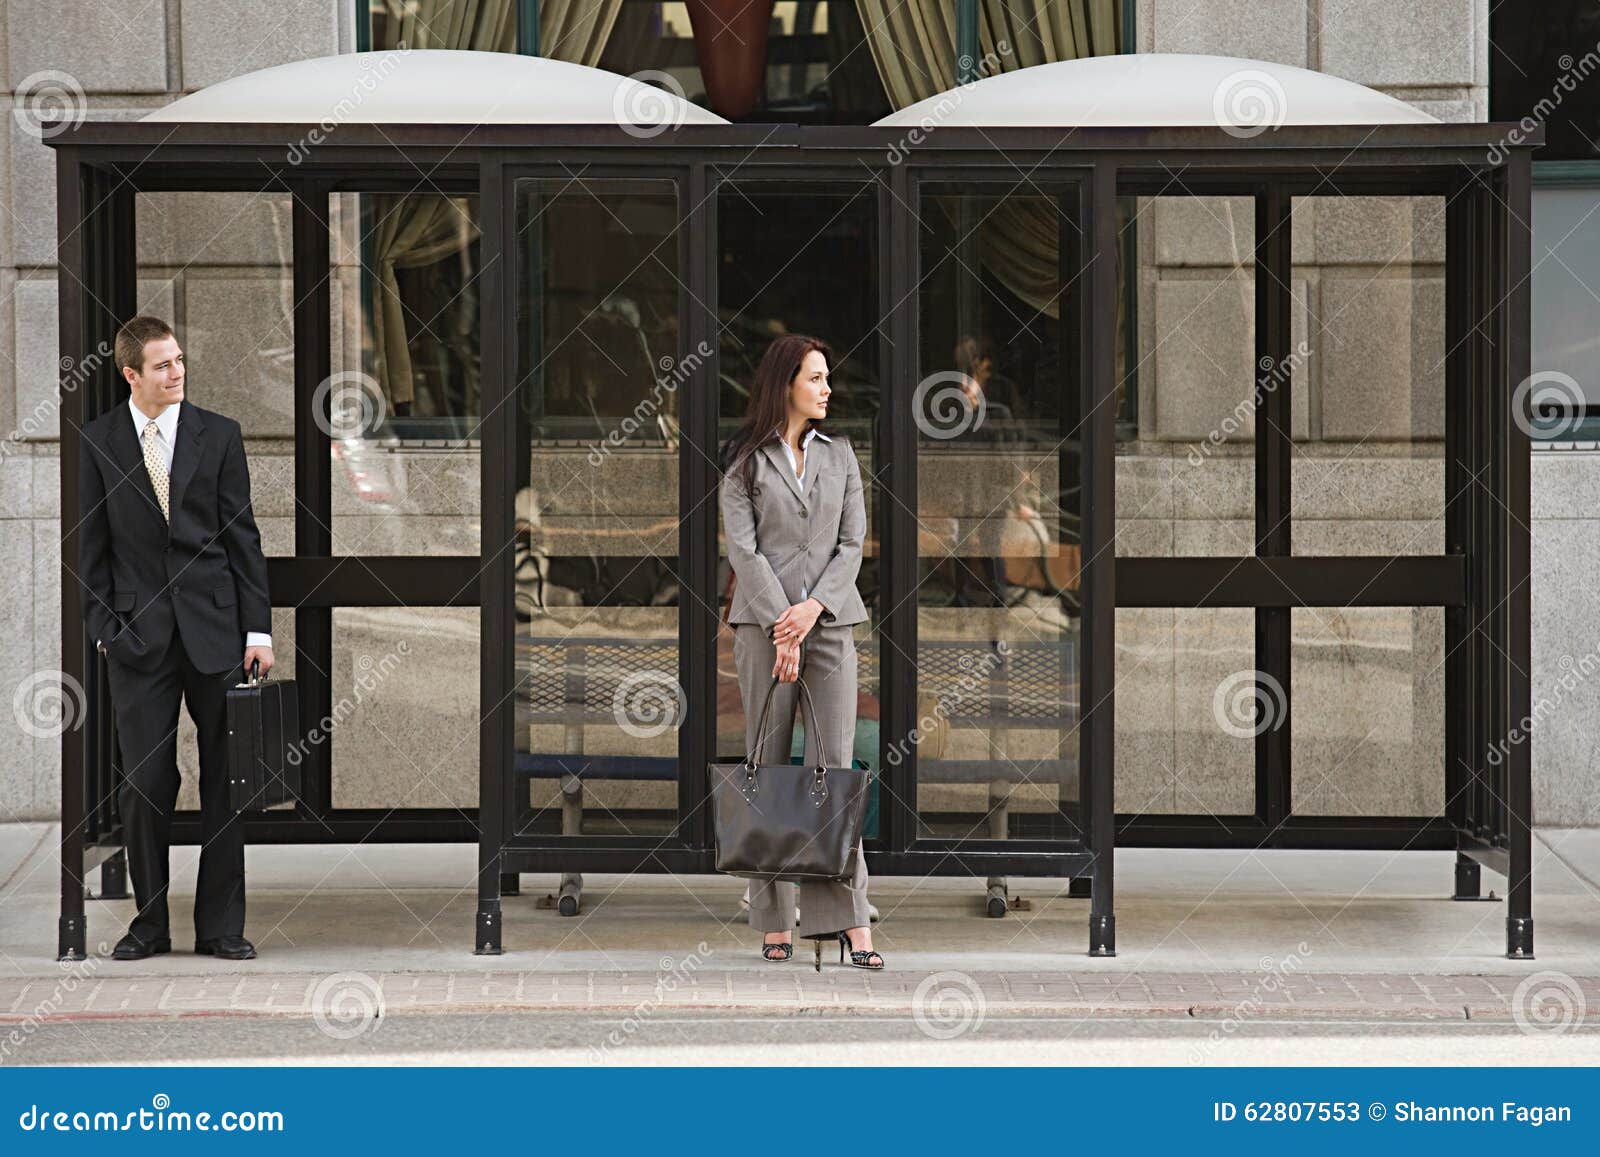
(204,576)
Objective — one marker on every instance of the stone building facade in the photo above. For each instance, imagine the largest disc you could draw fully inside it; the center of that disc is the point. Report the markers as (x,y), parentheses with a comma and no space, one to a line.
(1366,403)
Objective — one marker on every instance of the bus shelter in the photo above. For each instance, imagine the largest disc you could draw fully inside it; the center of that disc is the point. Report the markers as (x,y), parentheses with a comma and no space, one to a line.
(625,267)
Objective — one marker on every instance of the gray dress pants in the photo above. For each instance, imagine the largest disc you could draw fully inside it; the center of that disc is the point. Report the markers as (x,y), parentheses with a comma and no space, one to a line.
(828,666)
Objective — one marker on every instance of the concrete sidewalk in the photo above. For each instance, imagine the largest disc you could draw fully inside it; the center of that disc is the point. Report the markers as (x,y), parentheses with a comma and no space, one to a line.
(347,930)
(943,998)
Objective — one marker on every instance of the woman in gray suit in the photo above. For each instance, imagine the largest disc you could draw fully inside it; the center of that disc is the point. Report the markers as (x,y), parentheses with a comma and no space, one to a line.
(795,521)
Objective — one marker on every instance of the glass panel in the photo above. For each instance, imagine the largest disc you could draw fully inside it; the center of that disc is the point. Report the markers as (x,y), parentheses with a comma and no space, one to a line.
(1369,466)
(403,397)
(597,506)
(219,268)
(1566,311)
(781,271)
(819,69)
(1533,74)
(998,520)
(801,259)
(1186,474)
(1368,724)
(404,723)
(1185,720)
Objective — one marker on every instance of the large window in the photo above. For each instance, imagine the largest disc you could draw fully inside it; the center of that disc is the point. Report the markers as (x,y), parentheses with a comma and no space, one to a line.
(818,67)
(598,697)
(1542,60)
(998,515)
(1542,65)
(768,231)
(1566,310)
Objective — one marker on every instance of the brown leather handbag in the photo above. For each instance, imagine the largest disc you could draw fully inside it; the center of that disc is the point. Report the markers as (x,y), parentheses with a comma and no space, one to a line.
(788,821)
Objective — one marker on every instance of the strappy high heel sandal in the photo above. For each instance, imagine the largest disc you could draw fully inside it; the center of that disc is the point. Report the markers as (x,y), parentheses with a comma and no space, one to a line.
(858,958)
(777,952)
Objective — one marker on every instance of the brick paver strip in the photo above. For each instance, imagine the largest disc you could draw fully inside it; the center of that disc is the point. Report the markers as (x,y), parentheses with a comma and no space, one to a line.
(102,994)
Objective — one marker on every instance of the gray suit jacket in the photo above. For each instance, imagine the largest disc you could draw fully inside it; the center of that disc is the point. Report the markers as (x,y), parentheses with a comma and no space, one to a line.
(786,538)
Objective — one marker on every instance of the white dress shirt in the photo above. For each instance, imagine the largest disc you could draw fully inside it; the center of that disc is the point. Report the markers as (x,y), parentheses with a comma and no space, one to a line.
(799,470)
(167,441)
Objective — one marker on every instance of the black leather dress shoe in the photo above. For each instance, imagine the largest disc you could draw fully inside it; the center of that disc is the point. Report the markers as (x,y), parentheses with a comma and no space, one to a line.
(130,947)
(226,948)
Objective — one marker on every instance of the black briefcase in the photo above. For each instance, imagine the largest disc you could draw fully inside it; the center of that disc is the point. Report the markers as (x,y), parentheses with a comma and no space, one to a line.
(263,736)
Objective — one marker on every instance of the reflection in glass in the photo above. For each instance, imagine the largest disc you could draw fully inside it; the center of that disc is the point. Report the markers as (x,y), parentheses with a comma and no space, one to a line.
(404,724)
(1566,314)
(803,259)
(403,402)
(819,68)
(218,267)
(1368,710)
(1186,478)
(998,520)
(1369,474)
(598,694)
(1186,711)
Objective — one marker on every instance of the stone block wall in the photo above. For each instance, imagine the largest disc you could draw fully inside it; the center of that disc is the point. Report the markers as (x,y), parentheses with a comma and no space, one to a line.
(214,264)
(1366,417)
(1365,407)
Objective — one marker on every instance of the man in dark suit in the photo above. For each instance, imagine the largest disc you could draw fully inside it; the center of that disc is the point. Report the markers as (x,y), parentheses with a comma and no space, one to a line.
(175,591)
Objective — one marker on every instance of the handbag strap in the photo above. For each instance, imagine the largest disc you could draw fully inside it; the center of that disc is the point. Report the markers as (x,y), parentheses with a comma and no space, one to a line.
(727,596)
(761,724)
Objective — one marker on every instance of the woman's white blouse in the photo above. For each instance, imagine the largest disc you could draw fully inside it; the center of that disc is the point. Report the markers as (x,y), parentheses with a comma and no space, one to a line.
(800,474)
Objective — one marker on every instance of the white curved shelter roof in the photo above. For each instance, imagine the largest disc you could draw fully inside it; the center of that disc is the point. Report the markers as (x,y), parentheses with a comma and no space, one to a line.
(435,86)
(1159,89)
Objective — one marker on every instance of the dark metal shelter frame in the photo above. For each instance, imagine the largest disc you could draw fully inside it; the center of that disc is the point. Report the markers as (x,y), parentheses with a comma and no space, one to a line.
(1481,580)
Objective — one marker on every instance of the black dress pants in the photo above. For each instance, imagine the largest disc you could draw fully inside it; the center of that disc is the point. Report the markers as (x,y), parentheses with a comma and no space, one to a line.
(146,705)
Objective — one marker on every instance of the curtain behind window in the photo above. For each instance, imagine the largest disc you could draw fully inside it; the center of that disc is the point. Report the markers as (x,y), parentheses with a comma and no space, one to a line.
(913,43)
(417,229)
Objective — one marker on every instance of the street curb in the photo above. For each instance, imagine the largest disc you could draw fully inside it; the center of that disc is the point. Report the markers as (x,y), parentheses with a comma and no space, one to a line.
(936,997)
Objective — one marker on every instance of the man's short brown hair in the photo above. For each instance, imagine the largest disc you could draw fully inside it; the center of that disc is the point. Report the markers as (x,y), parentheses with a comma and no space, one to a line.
(133,335)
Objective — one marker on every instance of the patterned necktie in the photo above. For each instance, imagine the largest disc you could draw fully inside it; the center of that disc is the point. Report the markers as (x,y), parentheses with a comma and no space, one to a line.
(157,467)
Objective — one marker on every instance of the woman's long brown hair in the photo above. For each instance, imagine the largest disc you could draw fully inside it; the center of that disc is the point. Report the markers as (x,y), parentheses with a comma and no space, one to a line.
(769,402)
